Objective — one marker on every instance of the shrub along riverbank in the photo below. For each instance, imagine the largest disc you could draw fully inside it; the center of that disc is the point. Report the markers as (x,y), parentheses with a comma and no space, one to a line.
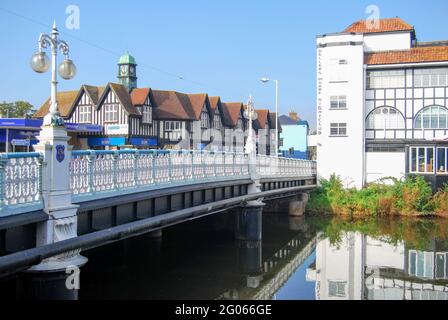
(410,197)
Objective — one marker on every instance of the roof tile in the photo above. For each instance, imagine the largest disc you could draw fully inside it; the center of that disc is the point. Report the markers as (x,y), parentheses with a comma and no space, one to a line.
(414,55)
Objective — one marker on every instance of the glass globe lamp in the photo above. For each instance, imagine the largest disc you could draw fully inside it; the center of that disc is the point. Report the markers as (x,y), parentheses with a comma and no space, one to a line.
(67,69)
(40,62)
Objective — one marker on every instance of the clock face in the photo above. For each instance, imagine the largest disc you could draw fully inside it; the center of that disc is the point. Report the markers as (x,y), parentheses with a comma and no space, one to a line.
(131,70)
(124,70)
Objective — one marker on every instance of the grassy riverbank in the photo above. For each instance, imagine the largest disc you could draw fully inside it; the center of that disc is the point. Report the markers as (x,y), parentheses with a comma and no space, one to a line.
(410,197)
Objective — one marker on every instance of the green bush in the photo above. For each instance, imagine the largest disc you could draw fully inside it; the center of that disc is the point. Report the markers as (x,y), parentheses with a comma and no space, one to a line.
(412,196)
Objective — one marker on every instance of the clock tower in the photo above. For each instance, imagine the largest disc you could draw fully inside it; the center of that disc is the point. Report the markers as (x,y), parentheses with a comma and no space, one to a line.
(127,71)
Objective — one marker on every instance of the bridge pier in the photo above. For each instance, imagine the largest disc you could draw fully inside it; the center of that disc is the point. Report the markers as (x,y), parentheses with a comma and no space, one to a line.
(62,215)
(297,205)
(249,222)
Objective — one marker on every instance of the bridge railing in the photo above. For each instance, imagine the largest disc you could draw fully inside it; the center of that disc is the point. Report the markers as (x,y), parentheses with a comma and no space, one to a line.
(20,183)
(102,174)
(268,166)
(97,174)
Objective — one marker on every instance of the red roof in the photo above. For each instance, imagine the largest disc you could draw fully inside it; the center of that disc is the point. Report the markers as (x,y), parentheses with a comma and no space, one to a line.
(384,25)
(139,96)
(414,55)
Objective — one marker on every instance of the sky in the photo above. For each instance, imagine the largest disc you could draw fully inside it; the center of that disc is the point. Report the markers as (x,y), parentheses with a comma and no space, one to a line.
(219,47)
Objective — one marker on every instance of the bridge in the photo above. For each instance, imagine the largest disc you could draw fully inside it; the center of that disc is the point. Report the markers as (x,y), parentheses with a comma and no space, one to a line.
(56,202)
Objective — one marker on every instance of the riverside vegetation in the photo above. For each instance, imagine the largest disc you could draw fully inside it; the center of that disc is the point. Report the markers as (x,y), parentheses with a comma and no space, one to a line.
(409,197)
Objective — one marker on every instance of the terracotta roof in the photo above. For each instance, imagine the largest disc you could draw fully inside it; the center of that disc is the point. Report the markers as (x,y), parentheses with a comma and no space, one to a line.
(414,55)
(139,96)
(93,92)
(172,105)
(231,111)
(197,102)
(262,117)
(214,101)
(65,99)
(123,96)
(385,25)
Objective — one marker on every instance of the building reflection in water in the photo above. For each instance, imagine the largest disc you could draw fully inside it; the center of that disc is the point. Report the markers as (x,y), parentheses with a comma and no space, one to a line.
(361,267)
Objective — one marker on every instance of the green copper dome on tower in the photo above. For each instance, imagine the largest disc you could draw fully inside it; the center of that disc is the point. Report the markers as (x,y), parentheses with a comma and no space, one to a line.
(127,59)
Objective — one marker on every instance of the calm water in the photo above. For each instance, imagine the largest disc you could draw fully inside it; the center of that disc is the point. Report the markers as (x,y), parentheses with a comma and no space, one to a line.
(298,258)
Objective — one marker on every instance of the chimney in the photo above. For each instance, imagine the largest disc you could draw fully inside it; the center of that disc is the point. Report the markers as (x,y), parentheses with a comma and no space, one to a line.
(293,115)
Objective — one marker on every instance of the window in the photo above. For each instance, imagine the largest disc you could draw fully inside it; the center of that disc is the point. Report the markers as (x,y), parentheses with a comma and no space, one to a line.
(338,102)
(239,124)
(172,126)
(146,114)
(385,79)
(336,289)
(85,114)
(442,160)
(204,119)
(442,265)
(217,121)
(421,264)
(385,118)
(110,113)
(422,159)
(431,77)
(338,129)
(434,117)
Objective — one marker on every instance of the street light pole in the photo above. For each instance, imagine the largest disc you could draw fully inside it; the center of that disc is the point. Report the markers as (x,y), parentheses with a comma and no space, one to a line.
(67,70)
(266,80)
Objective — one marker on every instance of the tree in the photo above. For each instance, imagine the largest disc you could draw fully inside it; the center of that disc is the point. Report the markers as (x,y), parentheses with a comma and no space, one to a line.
(18,109)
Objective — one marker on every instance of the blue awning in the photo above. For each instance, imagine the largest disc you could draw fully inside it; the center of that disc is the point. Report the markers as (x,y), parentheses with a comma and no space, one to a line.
(36,124)
(98,142)
(142,142)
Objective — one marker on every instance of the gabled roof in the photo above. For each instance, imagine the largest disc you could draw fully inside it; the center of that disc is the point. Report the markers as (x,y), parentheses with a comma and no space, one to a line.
(274,122)
(414,55)
(197,102)
(139,96)
(384,25)
(65,99)
(93,92)
(214,102)
(262,118)
(123,96)
(232,112)
(172,105)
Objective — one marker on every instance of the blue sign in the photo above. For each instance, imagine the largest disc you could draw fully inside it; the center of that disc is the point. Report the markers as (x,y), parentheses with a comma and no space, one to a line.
(60,153)
(79,127)
(141,142)
(200,146)
(20,142)
(98,142)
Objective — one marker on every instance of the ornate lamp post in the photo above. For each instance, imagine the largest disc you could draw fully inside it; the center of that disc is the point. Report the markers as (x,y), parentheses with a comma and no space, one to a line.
(56,152)
(41,63)
(250,115)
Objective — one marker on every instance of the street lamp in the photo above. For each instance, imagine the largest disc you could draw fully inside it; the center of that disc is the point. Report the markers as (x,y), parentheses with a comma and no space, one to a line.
(40,63)
(266,80)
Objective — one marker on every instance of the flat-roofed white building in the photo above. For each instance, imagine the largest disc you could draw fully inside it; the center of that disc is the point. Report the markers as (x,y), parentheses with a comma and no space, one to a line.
(382,104)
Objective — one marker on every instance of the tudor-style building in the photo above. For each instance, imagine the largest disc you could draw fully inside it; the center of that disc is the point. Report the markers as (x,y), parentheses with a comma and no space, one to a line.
(263,126)
(235,126)
(132,117)
(382,104)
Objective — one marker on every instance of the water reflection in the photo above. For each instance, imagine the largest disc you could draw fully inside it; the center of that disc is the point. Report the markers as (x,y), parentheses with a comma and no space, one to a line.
(297,258)
(356,265)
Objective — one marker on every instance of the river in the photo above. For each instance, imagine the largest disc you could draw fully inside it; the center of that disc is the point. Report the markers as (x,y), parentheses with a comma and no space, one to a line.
(298,259)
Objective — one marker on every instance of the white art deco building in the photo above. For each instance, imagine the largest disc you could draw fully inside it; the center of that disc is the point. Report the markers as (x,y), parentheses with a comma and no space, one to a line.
(382,104)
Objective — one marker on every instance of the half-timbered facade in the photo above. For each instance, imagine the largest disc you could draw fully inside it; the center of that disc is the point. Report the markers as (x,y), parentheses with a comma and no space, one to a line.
(401,84)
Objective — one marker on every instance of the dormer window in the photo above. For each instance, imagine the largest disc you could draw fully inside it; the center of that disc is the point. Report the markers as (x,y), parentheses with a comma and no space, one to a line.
(85,114)
(146,114)
(204,119)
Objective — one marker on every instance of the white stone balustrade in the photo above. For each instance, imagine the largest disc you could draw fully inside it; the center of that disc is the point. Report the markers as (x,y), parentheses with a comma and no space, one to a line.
(103,174)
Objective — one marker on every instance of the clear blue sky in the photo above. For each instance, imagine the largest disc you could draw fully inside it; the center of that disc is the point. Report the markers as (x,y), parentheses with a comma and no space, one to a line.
(218,47)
